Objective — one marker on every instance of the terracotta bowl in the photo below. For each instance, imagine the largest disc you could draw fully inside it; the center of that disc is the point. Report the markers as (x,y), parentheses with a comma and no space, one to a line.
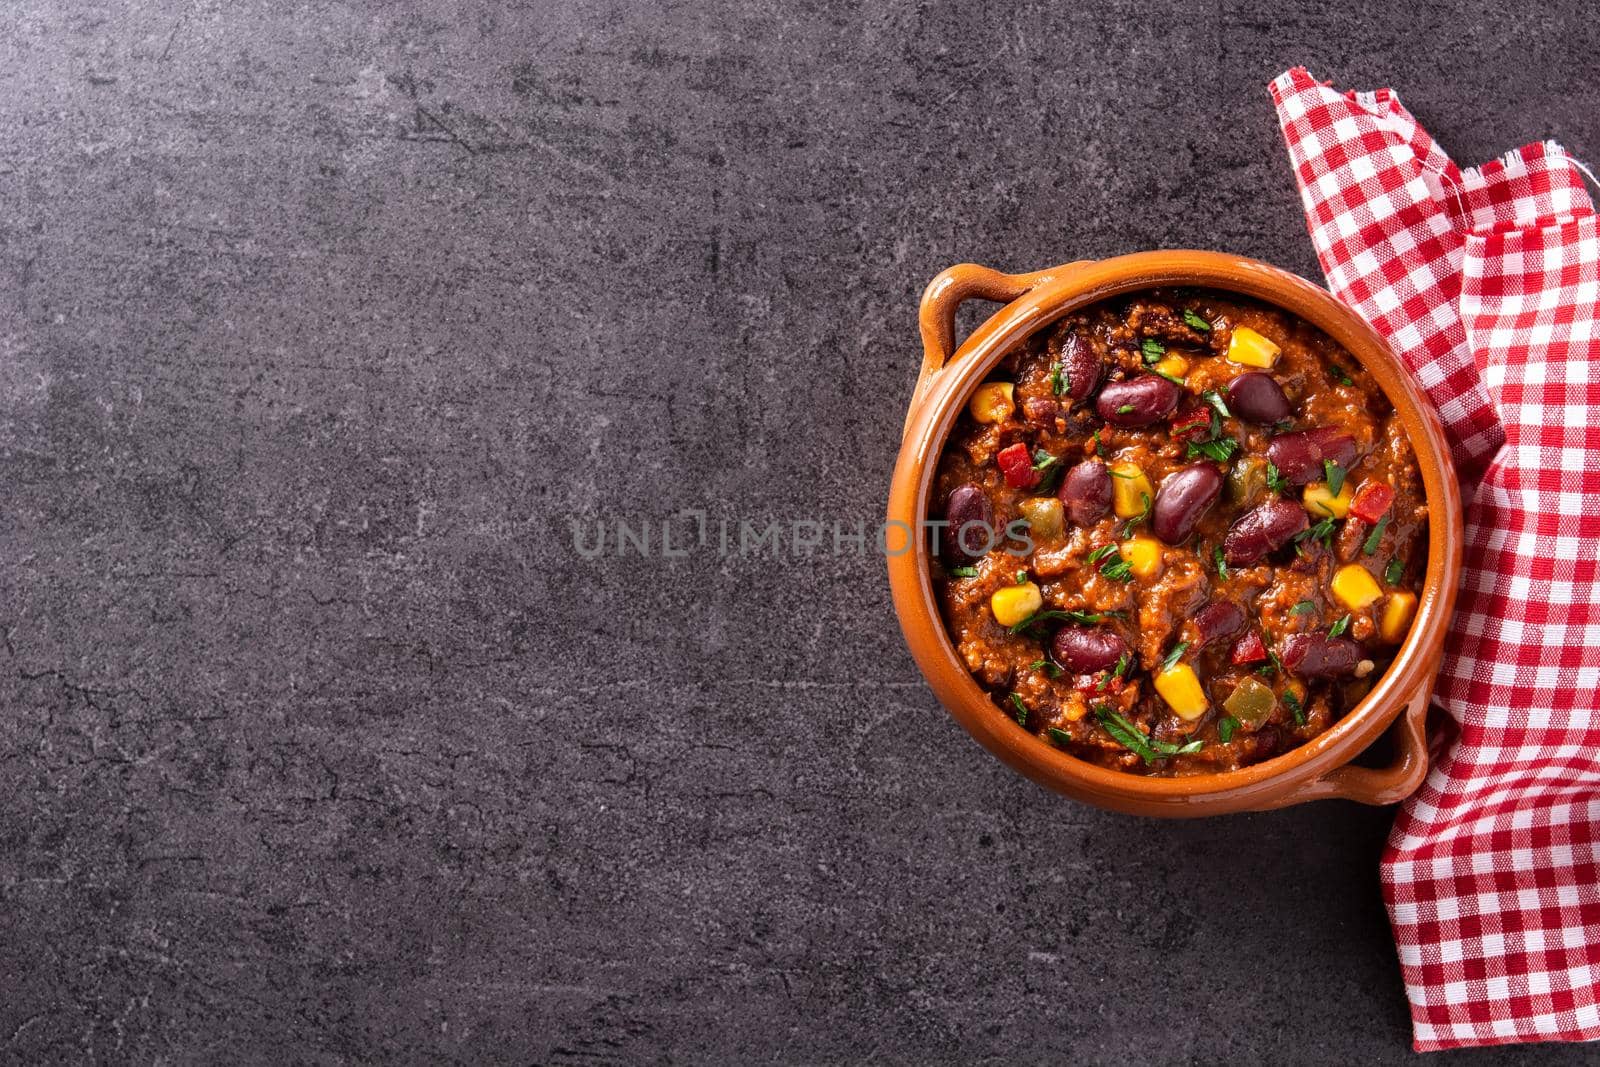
(1318,769)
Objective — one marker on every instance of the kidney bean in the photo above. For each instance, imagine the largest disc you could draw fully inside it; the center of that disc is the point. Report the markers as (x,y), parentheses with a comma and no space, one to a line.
(1296,458)
(1266,742)
(1261,530)
(971,517)
(1335,445)
(1137,401)
(1220,618)
(1086,492)
(1183,498)
(1299,456)
(1319,656)
(1257,397)
(1080,367)
(1085,649)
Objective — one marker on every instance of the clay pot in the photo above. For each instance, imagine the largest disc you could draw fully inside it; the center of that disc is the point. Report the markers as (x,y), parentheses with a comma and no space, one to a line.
(1320,768)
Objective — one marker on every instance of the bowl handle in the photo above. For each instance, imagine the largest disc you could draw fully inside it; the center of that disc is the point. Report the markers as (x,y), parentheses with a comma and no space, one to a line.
(946,293)
(1386,785)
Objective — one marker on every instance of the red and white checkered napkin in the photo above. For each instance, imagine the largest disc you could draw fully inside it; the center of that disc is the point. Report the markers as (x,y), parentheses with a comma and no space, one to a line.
(1487,283)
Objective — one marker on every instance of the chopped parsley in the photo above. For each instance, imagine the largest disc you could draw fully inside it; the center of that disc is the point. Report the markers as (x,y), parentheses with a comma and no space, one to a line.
(1213,398)
(1394,572)
(1167,748)
(1370,546)
(1046,664)
(1275,479)
(1195,321)
(1022,577)
(1173,378)
(1122,665)
(1209,428)
(1220,450)
(963,572)
(1294,707)
(1225,728)
(1091,617)
(1173,656)
(1101,553)
(1048,468)
(1305,607)
(1124,409)
(1099,449)
(1322,531)
(1128,526)
(1334,474)
(1339,373)
(1088,618)
(1118,569)
(1060,737)
(1126,734)
(1339,627)
(1152,349)
(1060,378)
(1222,568)
(1022,710)
(1134,740)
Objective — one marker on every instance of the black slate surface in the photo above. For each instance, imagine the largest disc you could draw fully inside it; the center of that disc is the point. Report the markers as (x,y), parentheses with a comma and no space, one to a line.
(319,741)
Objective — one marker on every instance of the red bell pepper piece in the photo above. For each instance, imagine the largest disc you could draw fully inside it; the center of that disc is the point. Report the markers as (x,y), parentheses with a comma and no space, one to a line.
(1371,501)
(1249,649)
(1191,425)
(1017,466)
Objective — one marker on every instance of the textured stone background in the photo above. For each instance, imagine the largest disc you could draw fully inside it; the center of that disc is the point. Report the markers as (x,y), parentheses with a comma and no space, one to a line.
(319,743)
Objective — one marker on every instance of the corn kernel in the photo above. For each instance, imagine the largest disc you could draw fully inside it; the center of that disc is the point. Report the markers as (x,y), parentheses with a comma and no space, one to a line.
(1179,686)
(1013,603)
(1131,491)
(1323,504)
(1397,616)
(993,402)
(1143,555)
(1172,366)
(1251,349)
(1353,587)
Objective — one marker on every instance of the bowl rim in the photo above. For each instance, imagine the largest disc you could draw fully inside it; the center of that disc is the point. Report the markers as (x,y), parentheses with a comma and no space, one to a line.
(939,401)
